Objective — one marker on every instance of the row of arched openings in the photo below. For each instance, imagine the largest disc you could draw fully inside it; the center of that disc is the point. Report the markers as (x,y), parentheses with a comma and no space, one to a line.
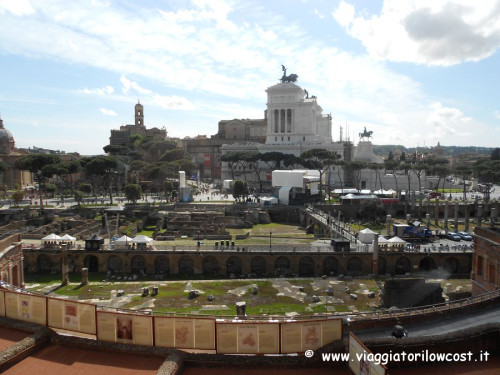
(258,265)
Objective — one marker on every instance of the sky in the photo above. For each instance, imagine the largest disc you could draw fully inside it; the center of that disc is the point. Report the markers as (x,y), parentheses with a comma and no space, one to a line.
(415,72)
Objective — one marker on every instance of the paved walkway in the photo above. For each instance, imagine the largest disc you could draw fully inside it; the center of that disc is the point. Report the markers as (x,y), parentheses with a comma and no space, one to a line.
(446,325)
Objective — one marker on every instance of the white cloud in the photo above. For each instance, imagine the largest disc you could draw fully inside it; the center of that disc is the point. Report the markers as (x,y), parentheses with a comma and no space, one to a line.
(446,121)
(127,85)
(344,14)
(106,90)
(205,51)
(497,114)
(16,7)
(107,112)
(318,14)
(173,102)
(433,32)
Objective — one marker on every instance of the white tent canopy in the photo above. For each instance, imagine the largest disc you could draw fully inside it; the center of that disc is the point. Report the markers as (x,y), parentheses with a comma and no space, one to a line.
(142,239)
(382,239)
(68,238)
(396,239)
(123,239)
(51,237)
(366,235)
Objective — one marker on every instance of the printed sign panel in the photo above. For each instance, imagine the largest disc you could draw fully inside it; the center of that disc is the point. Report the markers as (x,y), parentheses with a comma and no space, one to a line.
(331,330)
(72,316)
(185,333)
(359,364)
(291,338)
(204,334)
(2,303)
(227,338)
(297,337)
(165,332)
(26,307)
(106,326)
(234,338)
(125,328)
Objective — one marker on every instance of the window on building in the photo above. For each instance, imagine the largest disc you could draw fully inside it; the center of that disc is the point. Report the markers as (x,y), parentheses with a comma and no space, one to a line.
(479,266)
(281,139)
(304,139)
(282,121)
(288,139)
(276,120)
(276,139)
(491,273)
(288,120)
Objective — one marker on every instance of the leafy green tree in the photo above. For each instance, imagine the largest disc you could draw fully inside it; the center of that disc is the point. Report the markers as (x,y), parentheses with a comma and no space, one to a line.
(173,155)
(17,197)
(355,167)
(85,188)
(393,165)
(35,164)
(115,149)
(3,190)
(464,171)
(240,189)
(78,195)
(495,154)
(105,167)
(169,188)
(321,160)
(133,192)
(231,158)
(488,173)
(273,159)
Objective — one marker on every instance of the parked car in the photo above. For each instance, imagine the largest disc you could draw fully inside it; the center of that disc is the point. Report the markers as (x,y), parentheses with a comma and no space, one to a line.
(465,236)
(453,236)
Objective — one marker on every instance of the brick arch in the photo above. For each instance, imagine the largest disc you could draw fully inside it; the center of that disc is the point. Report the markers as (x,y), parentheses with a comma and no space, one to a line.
(186,265)
(44,263)
(209,265)
(403,265)
(138,264)
(114,263)
(306,266)
(355,266)
(282,265)
(233,266)
(162,265)
(258,266)
(427,264)
(91,262)
(330,266)
(451,265)
(382,266)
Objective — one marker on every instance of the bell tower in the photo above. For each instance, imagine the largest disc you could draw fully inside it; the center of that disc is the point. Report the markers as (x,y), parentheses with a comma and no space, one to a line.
(139,114)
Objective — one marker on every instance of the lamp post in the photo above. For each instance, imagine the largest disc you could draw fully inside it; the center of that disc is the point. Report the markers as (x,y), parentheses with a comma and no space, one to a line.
(270,236)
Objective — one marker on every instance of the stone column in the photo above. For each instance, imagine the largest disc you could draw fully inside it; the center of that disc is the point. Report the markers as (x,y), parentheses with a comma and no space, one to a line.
(456,216)
(375,254)
(446,216)
(64,267)
(85,276)
(436,213)
(479,216)
(493,217)
(466,219)
(389,222)
(241,309)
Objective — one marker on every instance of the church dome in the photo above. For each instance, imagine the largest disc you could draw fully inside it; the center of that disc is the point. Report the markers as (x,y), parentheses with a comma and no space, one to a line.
(6,140)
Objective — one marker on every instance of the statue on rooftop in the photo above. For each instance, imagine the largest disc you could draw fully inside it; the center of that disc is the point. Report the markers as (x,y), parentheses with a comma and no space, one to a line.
(290,78)
(366,134)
